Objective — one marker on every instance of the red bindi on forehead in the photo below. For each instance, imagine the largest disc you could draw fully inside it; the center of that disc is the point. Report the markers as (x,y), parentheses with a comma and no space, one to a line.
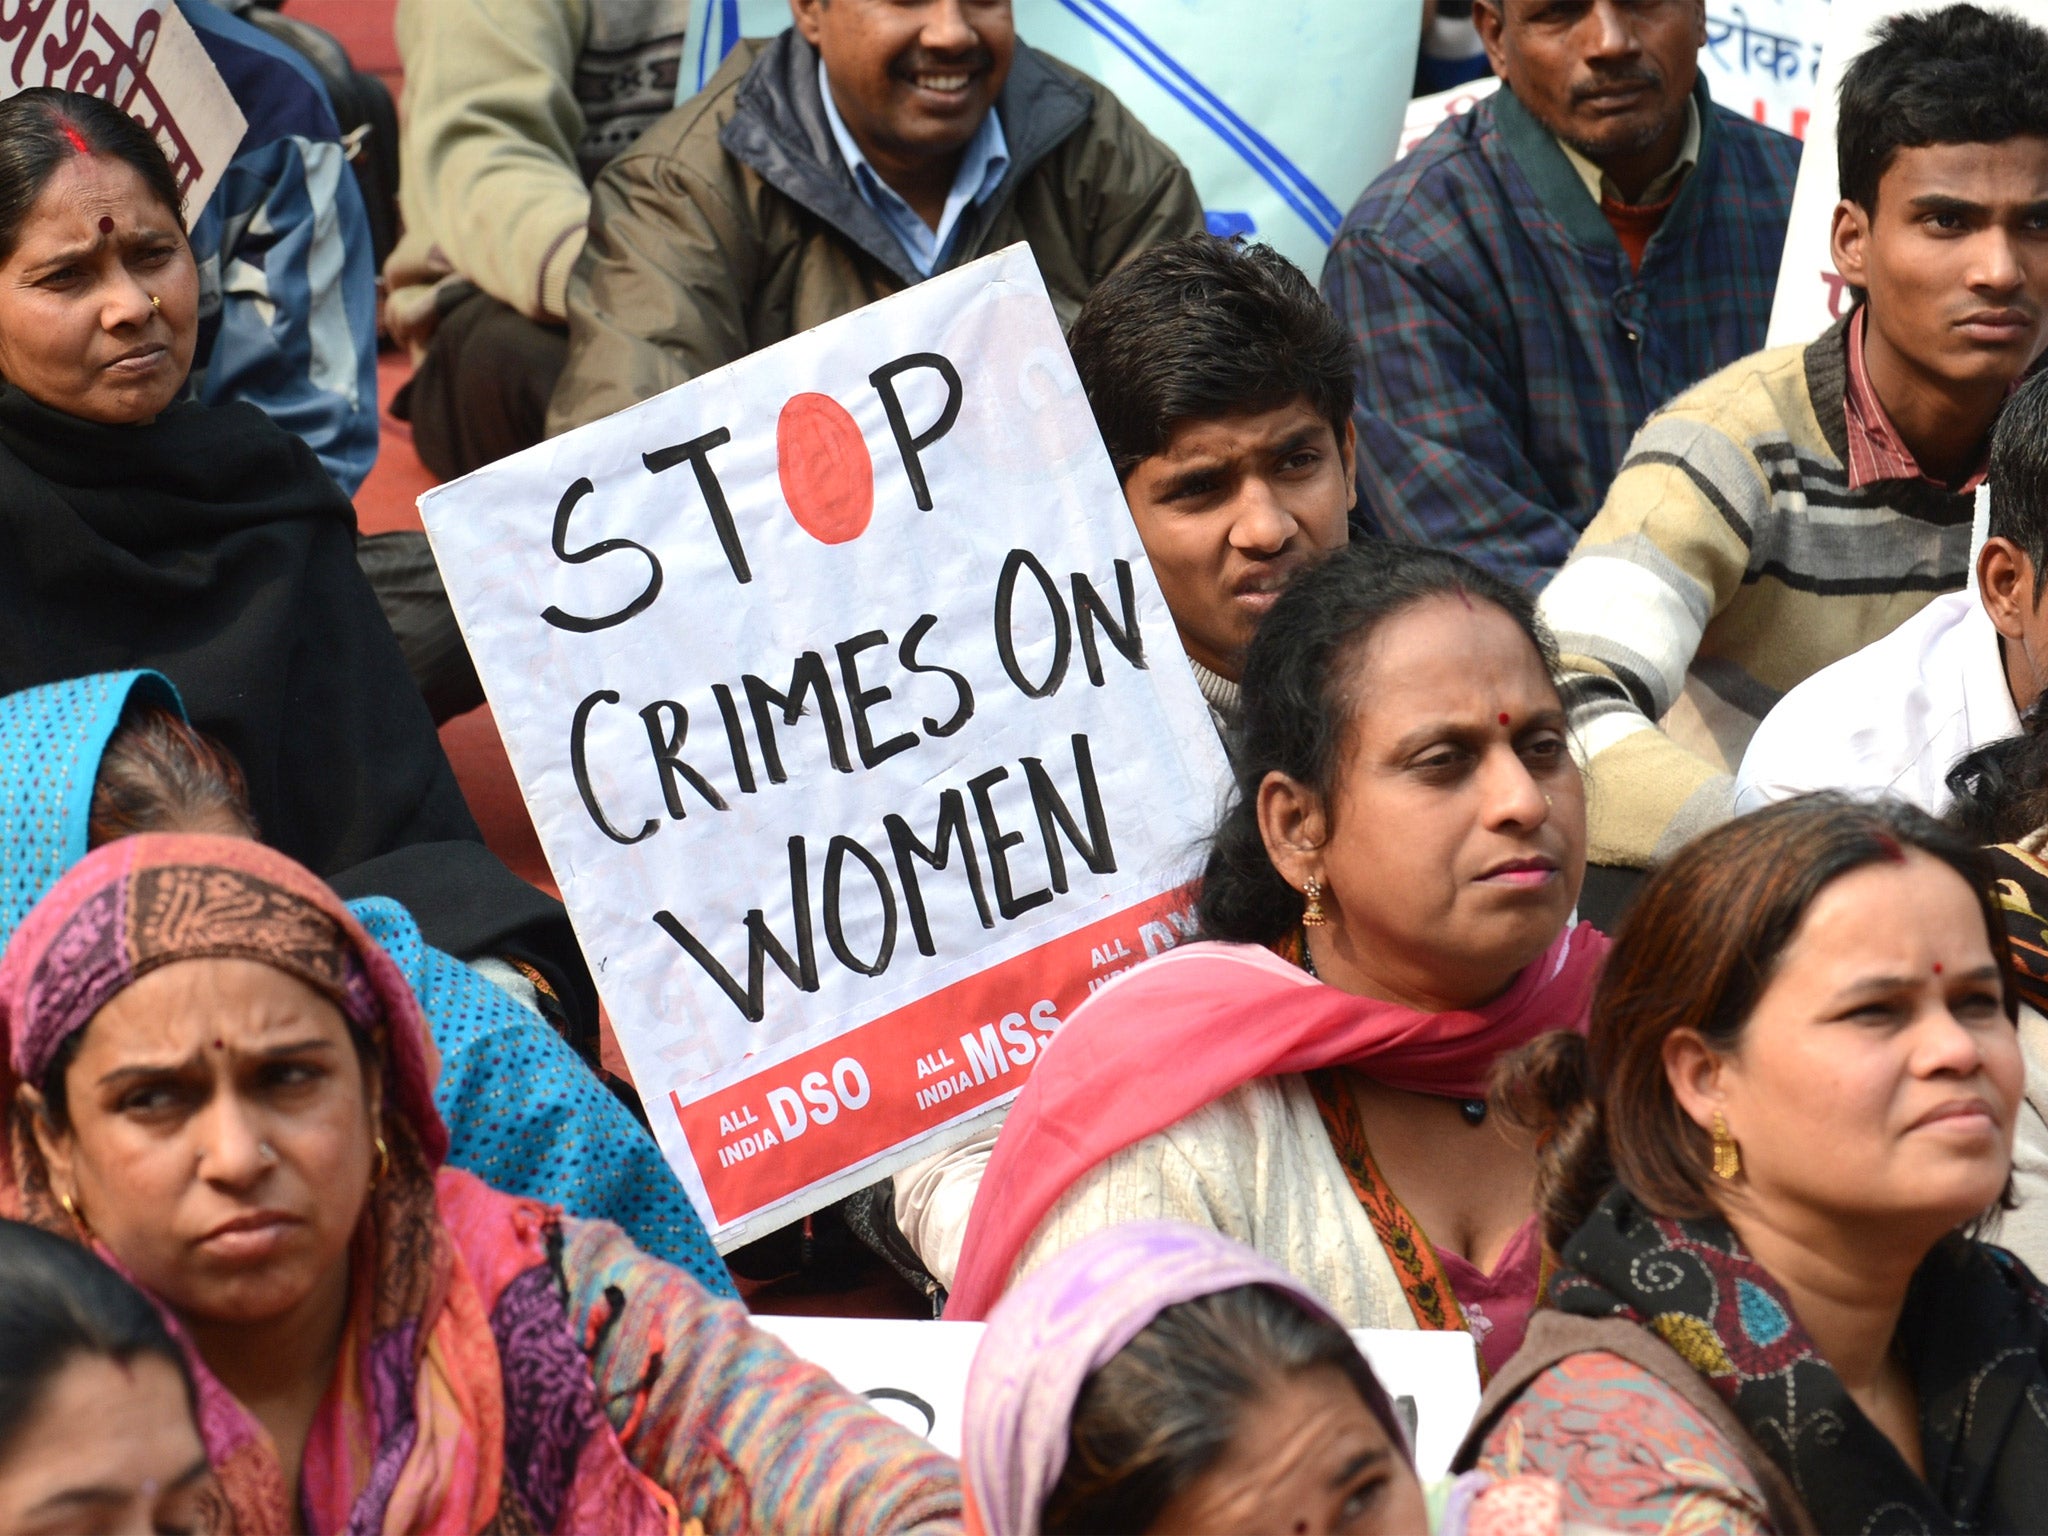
(1937,967)
(106,224)
(1503,717)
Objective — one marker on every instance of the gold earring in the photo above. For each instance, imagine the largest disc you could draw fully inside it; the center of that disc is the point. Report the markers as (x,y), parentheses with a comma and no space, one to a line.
(77,1216)
(1727,1156)
(1312,913)
(383,1162)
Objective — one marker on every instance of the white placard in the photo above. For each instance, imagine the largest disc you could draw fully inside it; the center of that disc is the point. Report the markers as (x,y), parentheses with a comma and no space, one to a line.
(144,57)
(917,1374)
(853,724)
(1811,295)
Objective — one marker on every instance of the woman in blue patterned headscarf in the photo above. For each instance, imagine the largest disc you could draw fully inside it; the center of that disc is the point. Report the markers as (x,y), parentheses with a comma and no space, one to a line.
(524,1113)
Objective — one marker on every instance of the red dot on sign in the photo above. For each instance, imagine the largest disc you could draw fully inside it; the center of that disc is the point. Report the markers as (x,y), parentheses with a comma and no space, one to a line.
(828,480)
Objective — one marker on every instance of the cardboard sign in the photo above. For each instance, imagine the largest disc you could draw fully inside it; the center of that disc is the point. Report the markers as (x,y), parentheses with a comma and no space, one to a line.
(1282,111)
(1811,295)
(1761,59)
(917,1374)
(853,724)
(143,57)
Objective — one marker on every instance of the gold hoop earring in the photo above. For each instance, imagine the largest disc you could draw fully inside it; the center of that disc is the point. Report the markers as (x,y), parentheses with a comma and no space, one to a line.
(383,1163)
(1727,1156)
(1312,912)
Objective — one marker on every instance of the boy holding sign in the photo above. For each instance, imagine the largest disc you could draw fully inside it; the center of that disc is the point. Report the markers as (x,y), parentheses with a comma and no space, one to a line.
(1221,384)
(1807,500)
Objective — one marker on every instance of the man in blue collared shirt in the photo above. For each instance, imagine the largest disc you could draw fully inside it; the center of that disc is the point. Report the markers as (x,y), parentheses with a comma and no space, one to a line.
(873,144)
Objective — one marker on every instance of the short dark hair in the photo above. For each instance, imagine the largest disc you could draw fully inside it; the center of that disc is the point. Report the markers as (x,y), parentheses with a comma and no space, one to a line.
(2018,474)
(42,127)
(59,1302)
(1958,75)
(1165,1408)
(1696,952)
(1299,701)
(1200,328)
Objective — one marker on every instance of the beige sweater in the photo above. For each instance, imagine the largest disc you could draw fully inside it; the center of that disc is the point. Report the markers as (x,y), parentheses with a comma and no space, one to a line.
(511,109)
(1257,1166)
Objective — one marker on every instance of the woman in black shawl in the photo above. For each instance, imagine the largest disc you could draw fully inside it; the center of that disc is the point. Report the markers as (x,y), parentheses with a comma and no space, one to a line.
(139,528)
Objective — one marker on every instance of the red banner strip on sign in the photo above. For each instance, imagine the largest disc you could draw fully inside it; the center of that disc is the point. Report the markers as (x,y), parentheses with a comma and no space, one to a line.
(803,1120)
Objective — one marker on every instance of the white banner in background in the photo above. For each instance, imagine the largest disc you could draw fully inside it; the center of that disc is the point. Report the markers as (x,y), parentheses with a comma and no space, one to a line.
(1811,295)
(853,724)
(916,1373)
(1761,59)
(1282,111)
(142,56)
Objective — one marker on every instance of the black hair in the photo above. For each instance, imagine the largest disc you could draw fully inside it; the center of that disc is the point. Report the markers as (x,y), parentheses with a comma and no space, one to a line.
(1200,328)
(59,1302)
(1163,1411)
(1999,792)
(2019,475)
(1300,696)
(42,127)
(1957,75)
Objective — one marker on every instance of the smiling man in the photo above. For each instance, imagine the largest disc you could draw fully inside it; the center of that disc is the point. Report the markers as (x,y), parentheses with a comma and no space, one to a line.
(1809,500)
(873,144)
(1545,270)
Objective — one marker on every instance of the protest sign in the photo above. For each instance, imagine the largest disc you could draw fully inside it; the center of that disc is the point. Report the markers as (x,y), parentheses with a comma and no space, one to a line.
(1764,68)
(1281,111)
(853,724)
(917,1374)
(140,55)
(1811,295)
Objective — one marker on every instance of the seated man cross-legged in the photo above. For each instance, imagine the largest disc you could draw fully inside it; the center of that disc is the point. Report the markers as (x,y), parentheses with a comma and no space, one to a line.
(1222,388)
(1809,500)
(1548,268)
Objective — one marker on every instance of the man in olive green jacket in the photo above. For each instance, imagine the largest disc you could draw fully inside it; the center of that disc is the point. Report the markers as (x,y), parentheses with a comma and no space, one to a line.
(763,206)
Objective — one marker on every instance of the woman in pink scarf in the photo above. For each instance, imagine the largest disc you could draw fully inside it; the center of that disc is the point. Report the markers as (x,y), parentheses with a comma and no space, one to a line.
(219,1083)
(1392,887)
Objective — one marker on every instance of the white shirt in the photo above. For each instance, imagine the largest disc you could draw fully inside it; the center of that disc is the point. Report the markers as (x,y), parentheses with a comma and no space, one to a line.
(1891,718)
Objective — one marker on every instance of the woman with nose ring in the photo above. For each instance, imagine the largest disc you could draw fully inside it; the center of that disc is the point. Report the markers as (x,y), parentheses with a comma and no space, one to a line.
(1388,905)
(216,1080)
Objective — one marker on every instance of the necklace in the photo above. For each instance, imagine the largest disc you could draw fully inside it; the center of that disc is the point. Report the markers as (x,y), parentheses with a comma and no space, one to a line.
(1474,1110)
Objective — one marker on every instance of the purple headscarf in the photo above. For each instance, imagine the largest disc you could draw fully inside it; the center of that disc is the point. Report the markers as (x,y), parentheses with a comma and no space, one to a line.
(1061,1324)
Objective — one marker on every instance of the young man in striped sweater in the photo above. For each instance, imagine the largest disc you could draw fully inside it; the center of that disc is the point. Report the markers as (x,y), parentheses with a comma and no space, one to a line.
(1806,500)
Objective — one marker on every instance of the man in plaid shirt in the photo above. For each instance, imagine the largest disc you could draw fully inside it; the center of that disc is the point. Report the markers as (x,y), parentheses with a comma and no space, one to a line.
(1545,270)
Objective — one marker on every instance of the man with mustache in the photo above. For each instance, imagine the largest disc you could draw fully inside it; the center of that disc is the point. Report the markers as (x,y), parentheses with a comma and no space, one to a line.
(1808,500)
(1221,385)
(873,144)
(1546,269)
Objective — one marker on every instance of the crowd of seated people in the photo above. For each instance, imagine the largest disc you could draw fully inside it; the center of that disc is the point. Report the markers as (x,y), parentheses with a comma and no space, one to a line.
(1580,965)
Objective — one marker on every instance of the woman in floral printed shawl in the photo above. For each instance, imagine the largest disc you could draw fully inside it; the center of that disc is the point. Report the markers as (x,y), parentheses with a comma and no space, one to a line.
(220,1083)
(1765,1168)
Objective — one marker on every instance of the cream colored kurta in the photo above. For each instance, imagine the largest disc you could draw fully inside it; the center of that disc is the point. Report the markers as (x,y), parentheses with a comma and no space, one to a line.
(1257,1166)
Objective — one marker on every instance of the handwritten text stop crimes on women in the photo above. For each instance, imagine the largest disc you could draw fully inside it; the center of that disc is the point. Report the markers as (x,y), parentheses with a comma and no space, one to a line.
(843,691)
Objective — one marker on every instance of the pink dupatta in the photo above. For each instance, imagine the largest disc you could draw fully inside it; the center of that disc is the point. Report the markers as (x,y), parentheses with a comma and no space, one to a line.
(1181,1031)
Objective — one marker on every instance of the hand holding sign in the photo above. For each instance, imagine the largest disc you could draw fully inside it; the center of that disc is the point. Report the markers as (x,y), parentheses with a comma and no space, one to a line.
(852,722)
